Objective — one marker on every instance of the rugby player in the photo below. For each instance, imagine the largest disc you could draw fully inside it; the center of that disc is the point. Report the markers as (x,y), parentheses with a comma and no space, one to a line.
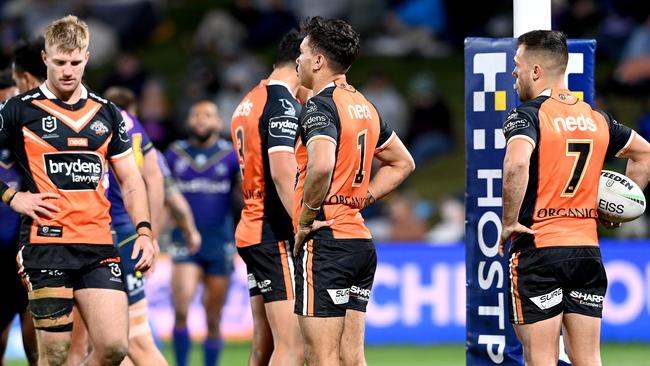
(556,146)
(62,136)
(205,168)
(264,129)
(339,133)
(15,295)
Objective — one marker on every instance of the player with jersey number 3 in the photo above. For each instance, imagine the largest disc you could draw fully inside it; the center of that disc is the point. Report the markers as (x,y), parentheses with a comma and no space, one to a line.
(556,146)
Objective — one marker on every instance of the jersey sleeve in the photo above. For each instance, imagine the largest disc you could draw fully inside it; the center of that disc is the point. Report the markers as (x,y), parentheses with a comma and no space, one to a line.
(386,136)
(8,118)
(147,144)
(521,124)
(620,136)
(318,121)
(120,145)
(282,124)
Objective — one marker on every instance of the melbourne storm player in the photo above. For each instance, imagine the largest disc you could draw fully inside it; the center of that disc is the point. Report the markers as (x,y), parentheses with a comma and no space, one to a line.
(62,136)
(264,129)
(205,168)
(556,145)
(340,132)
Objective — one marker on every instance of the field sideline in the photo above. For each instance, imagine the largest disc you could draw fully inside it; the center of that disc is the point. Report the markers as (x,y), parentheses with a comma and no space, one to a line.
(236,354)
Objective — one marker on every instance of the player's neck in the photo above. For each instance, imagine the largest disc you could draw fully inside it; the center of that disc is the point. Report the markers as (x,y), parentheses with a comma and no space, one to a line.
(555,83)
(204,144)
(286,74)
(66,97)
(321,82)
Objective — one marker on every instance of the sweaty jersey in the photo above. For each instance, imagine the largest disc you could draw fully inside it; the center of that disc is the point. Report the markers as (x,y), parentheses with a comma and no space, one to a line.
(9,218)
(571,142)
(265,122)
(341,114)
(64,148)
(141,145)
(205,176)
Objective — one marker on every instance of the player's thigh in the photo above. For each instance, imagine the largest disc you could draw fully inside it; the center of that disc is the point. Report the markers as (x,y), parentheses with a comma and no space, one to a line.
(214,293)
(582,339)
(283,322)
(322,335)
(353,334)
(185,279)
(541,340)
(133,279)
(262,347)
(105,311)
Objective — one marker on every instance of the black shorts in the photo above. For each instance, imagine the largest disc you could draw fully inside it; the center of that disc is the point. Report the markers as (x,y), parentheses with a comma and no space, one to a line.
(14,294)
(333,276)
(270,268)
(52,272)
(545,282)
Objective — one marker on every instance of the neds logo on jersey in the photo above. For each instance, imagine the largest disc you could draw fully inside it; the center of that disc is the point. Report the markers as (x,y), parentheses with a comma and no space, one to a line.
(72,171)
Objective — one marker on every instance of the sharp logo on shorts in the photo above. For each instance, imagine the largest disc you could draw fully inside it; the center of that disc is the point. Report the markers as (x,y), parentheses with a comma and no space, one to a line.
(360,293)
(72,171)
(77,142)
(50,231)
(339,296)
(264,286)
(548,300)
(595,301)
(252,283)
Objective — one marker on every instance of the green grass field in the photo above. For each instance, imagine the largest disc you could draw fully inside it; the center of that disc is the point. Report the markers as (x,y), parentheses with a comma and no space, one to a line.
(236,354)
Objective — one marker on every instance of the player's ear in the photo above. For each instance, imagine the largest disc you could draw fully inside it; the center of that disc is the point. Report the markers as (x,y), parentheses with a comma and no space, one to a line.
(87,57)
(319,61)
(44,56)
(537,72)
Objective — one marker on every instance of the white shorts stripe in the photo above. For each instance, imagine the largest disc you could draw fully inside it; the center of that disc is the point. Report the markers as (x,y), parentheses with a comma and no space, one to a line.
(304,284)
(292,270)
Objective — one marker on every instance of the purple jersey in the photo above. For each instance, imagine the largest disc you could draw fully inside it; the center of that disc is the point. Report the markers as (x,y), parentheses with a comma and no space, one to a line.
(205,176)
(10,220)
(141,145)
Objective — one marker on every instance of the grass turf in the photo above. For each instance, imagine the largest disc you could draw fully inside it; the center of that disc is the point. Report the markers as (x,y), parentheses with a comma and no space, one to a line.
(236,354)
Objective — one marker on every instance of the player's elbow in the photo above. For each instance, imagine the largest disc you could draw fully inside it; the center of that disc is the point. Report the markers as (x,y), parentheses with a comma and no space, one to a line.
(320,168)
(515,163)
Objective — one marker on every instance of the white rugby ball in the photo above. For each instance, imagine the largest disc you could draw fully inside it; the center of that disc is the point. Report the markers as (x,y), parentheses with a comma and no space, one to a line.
(619,198)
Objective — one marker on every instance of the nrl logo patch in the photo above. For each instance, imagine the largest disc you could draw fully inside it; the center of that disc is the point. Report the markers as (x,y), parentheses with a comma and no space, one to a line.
(99,127)
(49,124)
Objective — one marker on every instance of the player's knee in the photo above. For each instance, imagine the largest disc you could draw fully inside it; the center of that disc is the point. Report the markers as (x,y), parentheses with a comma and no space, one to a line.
(352,357)
(55,353)
(113,354)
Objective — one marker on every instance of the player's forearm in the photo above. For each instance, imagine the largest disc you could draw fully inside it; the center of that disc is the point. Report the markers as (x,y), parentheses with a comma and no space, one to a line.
(515,181)
(639,171)
(154,181)
(317,181)
(181,212)
(135,198)
(388,177)
(284,187)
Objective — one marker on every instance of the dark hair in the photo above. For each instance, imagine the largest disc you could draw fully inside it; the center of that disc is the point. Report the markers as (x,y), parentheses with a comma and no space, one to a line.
(549,43)
(121,96)
(27,58)
(289,48)
(6,81)
(335,38)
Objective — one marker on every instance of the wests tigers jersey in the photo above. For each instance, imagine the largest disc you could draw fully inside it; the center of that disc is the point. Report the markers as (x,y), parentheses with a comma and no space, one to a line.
(341,114)
(571,142)
(64,148)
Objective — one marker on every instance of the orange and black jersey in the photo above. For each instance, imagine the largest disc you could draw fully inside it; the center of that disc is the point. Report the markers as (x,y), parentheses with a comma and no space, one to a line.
(265,122)
(341,114)
(64,148)
(571,142)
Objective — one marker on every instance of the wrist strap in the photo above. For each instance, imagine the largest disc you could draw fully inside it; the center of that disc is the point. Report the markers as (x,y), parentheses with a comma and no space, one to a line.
(311,208)
(142,224)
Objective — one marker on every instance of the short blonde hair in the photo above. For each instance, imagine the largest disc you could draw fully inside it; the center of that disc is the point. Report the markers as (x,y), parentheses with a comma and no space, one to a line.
(67,34)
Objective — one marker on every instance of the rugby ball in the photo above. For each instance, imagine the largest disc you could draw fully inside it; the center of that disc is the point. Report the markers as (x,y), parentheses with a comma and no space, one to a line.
(619,198)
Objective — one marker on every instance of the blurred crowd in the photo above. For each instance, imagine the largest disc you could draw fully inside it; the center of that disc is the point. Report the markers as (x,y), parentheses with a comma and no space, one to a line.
(223,60)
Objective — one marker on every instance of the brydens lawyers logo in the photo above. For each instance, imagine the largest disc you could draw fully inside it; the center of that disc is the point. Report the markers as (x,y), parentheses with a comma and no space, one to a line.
(48,124)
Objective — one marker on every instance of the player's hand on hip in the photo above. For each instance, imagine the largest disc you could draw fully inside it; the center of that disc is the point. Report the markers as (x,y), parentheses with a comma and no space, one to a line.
(304,230)
(193,240)
(507,233)
(145,245)
(35,205)
(609,224)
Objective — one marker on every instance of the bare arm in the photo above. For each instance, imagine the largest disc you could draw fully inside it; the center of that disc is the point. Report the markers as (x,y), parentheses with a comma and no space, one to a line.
(153,179)
(182,214)
(396,165)
(515,181)
(137,205)
(638,165)
(283,171)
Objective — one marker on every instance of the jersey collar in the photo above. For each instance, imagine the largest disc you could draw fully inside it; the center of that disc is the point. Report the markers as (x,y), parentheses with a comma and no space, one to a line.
(50,95)
(281,83)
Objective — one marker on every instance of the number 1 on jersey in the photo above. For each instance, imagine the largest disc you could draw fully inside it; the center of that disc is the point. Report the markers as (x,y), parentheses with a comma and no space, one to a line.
(361,146)
(580,149)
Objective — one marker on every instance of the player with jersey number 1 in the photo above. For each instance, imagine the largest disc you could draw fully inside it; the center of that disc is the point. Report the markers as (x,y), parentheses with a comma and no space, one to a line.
(556,146)
(339,133)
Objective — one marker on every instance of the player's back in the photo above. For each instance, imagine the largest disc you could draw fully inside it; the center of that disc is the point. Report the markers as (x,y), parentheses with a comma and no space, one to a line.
(353,123)
(265,122)
(571,143)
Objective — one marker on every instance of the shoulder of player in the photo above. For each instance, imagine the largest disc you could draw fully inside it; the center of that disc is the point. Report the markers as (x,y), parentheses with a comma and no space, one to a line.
(177,147)
(224,145)
(528,110)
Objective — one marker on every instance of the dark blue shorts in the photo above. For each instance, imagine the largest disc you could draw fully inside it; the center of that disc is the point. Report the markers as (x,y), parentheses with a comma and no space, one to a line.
(215,256)
(124,237)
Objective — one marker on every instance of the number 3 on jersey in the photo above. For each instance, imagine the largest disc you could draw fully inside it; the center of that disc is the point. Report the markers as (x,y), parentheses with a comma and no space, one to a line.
(239,136)
(360,173)
(581,150)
